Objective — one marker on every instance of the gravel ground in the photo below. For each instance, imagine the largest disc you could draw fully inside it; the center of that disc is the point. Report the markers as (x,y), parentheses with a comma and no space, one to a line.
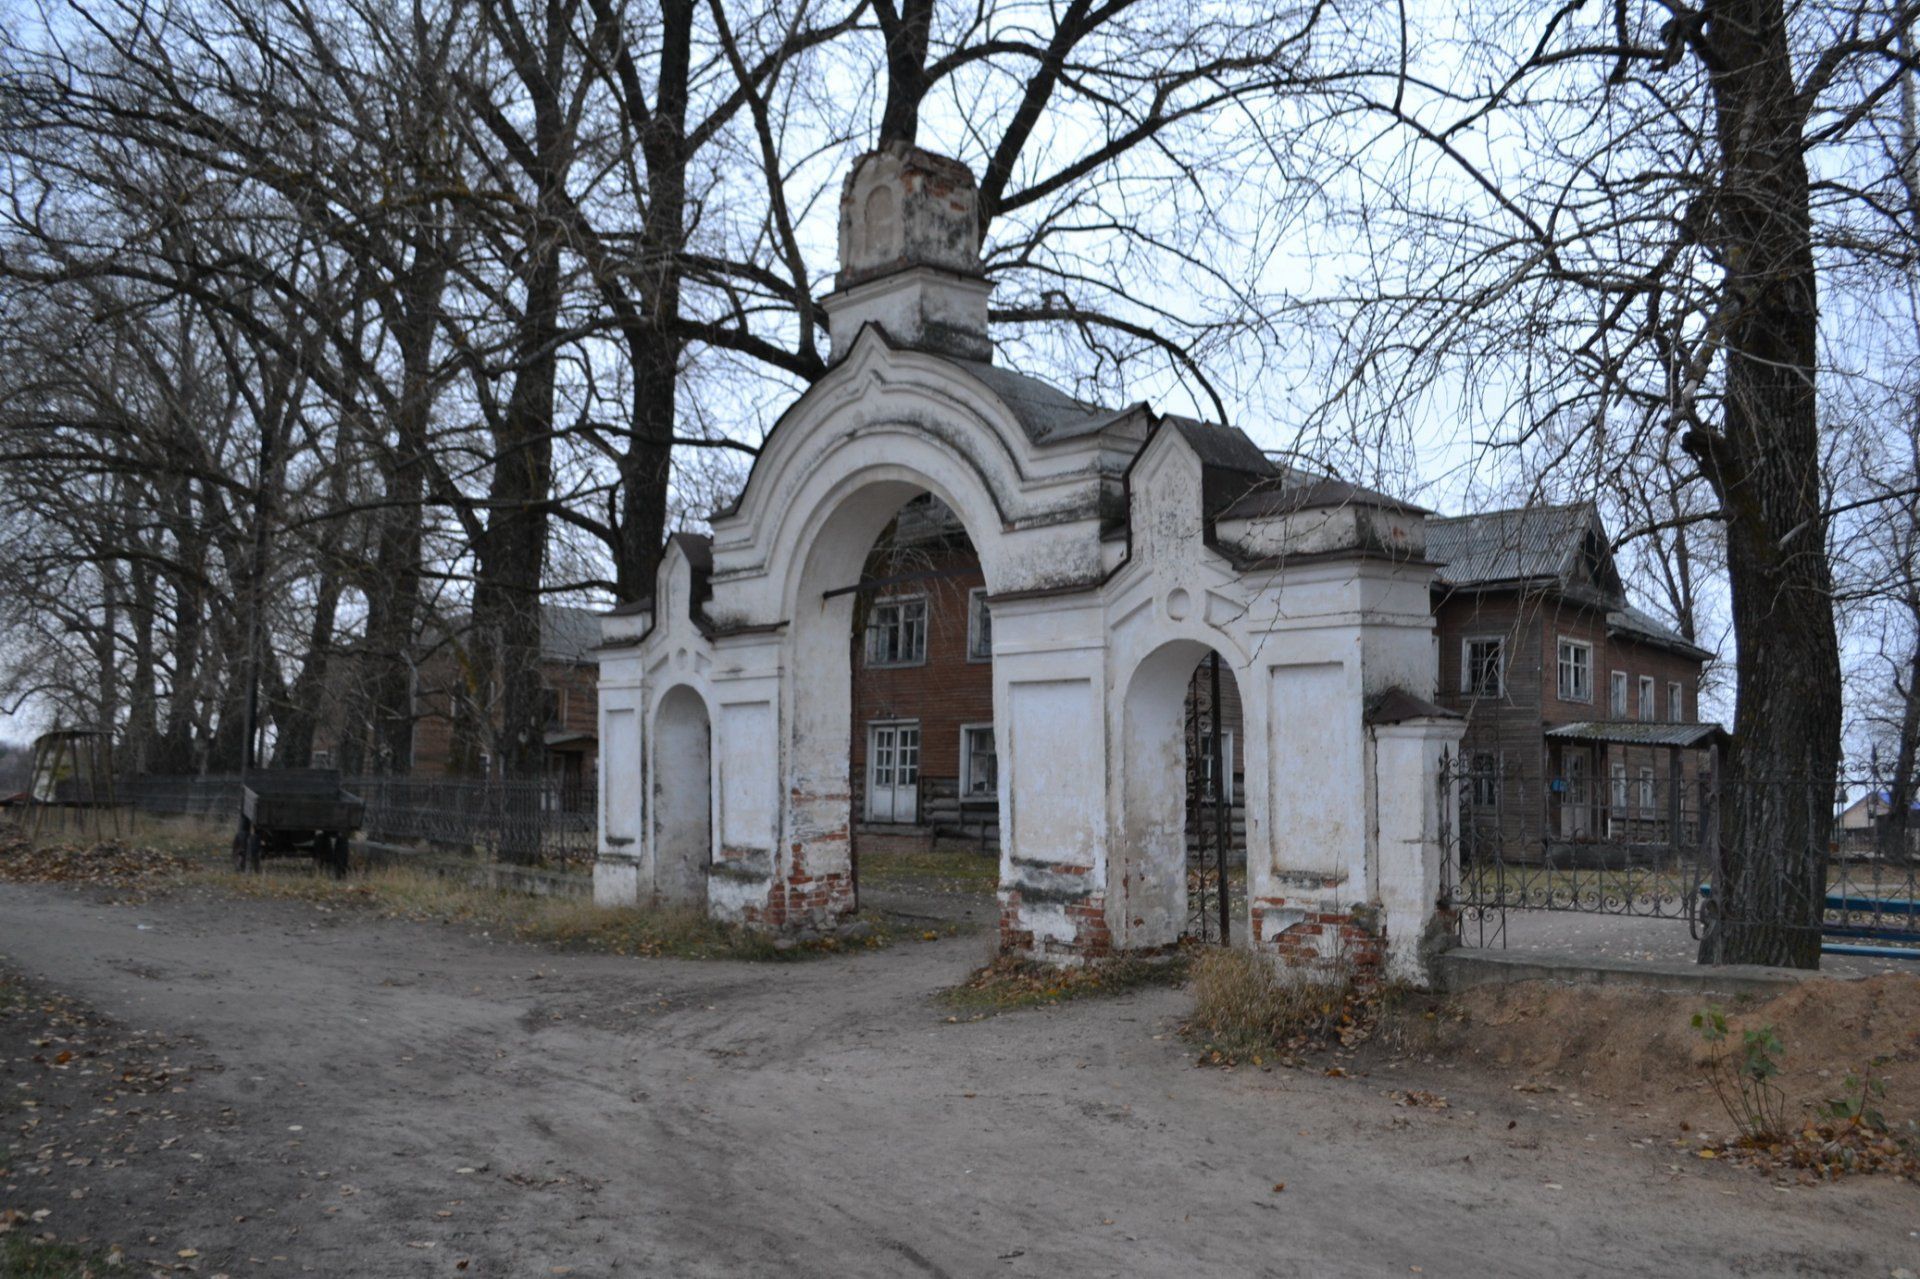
(358,1097)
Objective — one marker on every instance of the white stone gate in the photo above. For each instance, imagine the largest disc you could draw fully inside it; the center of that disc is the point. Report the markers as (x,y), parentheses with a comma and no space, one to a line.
(1118,548)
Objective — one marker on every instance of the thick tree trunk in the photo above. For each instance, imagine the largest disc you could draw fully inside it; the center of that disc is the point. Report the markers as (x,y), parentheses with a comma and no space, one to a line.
(293,743)
(393,614)
(1896,832)
(1764,465)
(646,468)
(141,729)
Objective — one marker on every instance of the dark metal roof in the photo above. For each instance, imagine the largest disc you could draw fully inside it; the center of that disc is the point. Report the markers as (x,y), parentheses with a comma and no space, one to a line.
(698,548)
(1222,447)
(1529,544)
(1628,620)
(1397,706)
(1637,732)
(1046,413)
(1299,492)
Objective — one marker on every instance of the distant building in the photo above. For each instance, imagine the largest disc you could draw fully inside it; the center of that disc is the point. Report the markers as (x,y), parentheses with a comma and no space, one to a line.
(924,764)
(449,704)
(1583,718)
(1861,821)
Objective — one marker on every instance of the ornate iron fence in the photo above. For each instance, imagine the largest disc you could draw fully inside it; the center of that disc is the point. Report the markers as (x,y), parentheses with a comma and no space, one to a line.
(1655,849)
(520,820)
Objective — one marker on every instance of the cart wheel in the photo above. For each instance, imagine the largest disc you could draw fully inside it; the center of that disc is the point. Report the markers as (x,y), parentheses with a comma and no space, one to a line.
(253,852)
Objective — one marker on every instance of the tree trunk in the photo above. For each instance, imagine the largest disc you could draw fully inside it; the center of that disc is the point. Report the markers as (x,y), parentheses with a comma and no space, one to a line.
(1764,466)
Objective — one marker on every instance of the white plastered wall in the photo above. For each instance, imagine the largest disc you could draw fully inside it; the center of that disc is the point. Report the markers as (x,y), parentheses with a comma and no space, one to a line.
(1333,815)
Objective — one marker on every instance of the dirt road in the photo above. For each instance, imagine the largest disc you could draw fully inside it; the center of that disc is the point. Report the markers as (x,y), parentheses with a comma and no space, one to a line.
(373,1098)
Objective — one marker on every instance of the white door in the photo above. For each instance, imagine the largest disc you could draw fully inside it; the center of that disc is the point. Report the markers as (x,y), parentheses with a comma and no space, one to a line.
(893,773)
(1575,816)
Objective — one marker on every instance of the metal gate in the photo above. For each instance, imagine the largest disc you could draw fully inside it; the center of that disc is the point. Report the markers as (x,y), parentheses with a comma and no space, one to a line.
(1629,848)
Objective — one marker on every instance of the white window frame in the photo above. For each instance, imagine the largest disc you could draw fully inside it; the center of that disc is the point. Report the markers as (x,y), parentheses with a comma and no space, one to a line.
(1647,796)
(1617,788)
(1485,789)
(1676,701)
(874,630)
(967,789)
(1617,695)
(1468,667)
(1567,649)
(979,618)
(1206,765)
(1649,707)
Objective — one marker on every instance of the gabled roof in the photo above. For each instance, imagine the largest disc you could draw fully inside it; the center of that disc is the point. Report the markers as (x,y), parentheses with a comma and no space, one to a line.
(1224,448)
(568,634)
(1648,629)
(1300,491)
(1045,412)
(1546,544)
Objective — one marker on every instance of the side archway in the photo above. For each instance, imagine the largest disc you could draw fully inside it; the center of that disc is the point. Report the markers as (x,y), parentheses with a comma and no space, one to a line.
(1166,770)
(682,798)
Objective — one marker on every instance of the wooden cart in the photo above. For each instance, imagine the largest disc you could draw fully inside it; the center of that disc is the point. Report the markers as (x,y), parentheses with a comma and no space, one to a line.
(296,812)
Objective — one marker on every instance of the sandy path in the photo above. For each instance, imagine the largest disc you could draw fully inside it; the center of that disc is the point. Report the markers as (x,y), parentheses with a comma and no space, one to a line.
(638,1117)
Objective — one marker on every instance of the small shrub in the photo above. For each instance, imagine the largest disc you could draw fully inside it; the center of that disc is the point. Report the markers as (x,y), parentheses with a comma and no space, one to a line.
(1858,1104)
(1247,1010)
(1743,1079)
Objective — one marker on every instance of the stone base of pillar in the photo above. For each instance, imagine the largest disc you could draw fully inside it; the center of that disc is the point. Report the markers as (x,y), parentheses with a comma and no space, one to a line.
(1061,930)
(616,881)
(1320,937)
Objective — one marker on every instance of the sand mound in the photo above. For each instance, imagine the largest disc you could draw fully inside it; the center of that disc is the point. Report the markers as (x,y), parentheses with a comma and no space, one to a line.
(1638,1048)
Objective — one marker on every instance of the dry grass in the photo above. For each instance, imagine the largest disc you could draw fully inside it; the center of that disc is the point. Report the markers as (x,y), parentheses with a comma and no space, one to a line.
(573,923)
(952,872)
(1008,982)
(1248,1011)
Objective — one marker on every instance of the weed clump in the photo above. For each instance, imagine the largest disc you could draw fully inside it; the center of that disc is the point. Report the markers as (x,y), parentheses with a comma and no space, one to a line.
(1247,1011)
(1010,982)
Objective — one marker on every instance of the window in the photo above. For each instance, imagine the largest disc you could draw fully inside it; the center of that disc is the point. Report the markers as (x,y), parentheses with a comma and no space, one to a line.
(1676,702)
(1646,792)
(979,766)
(1206,765)
(322,759)
(897,632)
(553,707)
(1619,779)
(1486,780)
(1482,665)
(1617,695)
(1576,671)
(1647,708)
(979,626)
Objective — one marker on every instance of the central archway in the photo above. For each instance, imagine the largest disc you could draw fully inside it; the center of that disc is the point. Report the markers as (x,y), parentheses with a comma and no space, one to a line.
(833,589)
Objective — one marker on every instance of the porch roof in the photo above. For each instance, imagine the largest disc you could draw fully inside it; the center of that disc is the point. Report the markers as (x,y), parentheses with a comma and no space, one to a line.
(1638,732)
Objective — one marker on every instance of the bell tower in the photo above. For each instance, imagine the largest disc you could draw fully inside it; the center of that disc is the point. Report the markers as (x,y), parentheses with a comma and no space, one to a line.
(910,255)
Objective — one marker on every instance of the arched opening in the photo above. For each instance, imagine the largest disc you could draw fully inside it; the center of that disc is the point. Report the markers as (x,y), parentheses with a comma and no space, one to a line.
(894,747)
(682,799)
(1181,864)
